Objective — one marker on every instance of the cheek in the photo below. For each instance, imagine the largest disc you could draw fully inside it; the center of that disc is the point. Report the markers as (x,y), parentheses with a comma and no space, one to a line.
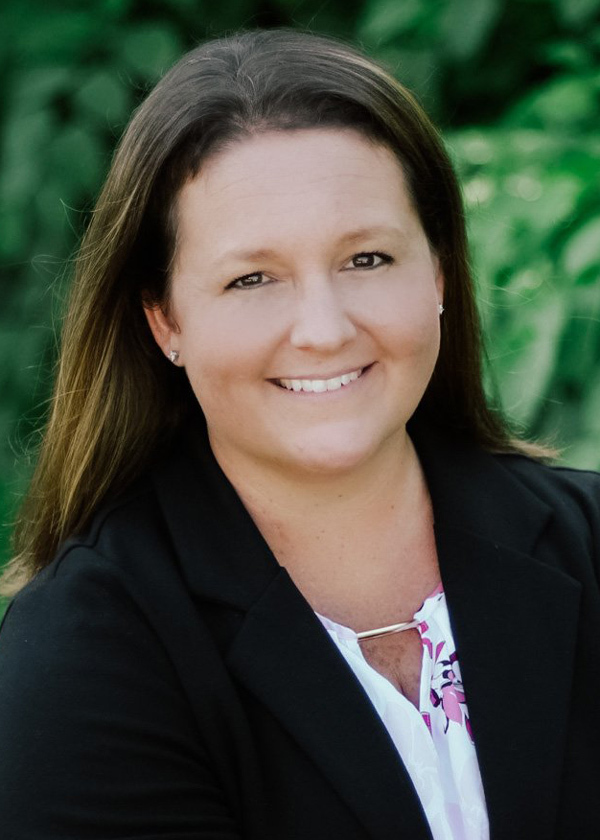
(409,324)
(221,354)
(415,350)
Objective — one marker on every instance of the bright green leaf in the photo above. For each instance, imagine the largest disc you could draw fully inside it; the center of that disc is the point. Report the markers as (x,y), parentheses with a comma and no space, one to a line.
(561,103)
(582,250)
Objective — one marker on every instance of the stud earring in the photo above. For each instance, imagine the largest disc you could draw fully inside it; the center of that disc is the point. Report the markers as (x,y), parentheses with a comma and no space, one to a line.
(173,356)
(440,308)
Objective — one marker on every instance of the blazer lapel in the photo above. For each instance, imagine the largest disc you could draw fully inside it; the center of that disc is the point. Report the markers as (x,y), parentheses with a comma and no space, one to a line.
(515,626)
(280,651)
(515,623)
(284,656)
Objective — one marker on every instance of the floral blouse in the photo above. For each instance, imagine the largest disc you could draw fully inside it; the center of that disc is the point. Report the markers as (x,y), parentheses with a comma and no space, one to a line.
(435,742)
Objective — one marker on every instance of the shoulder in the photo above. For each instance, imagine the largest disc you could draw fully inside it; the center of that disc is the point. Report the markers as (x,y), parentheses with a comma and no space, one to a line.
(126,542)
(80,636)
(570,537)
(503,493)
(514,501)
(97,655)
(111,611)
(94,585)
(569,492)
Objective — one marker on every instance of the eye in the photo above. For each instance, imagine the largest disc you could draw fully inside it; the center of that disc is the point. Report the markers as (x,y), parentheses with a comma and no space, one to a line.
(369,260)
(249,281)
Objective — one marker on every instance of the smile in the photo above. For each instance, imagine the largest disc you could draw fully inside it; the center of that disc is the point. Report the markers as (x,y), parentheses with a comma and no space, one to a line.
(319,386)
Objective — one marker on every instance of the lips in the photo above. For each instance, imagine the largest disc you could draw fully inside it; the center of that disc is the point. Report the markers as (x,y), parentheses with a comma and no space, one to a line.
(319,386)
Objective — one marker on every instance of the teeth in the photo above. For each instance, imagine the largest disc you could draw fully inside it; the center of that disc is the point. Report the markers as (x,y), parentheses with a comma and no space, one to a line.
(318,386)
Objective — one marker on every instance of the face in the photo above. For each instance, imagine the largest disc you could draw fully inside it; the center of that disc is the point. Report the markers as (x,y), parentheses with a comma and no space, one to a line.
(304,301)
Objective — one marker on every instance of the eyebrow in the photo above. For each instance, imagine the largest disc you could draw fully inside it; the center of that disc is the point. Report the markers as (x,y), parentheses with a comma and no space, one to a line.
(346,239)
(376,230)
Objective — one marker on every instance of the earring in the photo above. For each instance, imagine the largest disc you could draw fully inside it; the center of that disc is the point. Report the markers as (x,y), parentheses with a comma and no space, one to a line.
(173,356)
(440,308)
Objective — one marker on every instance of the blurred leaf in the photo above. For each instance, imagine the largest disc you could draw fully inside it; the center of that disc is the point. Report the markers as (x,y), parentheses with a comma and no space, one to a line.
(561,103)
(479,190)
(104,96)
(591,411)
(60,34)
(529,359)
(77,160)
(150,49)
(15,236)
(36,87)
(473,145)
(466,24)
(414,68)
(25,139)
(568,54)
(556,201)
(384,20)
(118,8)
(582,250)
(584,450)
(577,11)
(579,345)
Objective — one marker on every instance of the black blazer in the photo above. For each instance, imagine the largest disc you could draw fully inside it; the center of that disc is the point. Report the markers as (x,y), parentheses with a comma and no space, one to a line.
(164,678)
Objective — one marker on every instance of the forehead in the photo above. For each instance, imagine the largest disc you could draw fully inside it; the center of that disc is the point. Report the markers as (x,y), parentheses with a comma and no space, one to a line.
(265,183)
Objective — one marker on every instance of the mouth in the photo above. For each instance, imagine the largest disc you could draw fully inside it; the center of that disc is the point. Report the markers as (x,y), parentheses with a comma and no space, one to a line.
(320,386)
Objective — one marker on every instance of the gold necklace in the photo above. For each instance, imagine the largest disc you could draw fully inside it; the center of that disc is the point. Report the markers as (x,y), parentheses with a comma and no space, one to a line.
(386,631)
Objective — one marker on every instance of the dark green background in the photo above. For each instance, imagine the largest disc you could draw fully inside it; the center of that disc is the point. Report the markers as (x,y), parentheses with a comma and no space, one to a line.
(514,85)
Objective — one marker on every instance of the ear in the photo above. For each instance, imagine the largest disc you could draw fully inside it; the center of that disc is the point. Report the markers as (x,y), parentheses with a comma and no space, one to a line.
(163,327)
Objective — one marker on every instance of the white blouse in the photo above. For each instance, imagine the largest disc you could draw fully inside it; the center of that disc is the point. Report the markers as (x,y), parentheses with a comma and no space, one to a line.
(435,742)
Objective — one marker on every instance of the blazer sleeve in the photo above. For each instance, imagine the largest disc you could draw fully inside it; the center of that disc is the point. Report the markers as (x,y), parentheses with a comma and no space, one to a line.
(96,736)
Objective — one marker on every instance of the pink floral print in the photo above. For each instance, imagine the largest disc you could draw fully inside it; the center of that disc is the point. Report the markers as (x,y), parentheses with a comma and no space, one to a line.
(435,741)
(446,690)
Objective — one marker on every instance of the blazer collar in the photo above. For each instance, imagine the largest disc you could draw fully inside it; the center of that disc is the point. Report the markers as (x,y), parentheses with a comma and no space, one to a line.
(514,620)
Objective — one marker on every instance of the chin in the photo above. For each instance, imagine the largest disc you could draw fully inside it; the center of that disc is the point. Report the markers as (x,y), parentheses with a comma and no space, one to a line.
(331,458)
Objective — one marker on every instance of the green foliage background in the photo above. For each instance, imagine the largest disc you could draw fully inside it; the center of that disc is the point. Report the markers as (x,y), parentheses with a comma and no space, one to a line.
(515,86)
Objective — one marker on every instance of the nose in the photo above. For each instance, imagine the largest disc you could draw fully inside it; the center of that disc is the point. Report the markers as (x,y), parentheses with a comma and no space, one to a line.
(321,320)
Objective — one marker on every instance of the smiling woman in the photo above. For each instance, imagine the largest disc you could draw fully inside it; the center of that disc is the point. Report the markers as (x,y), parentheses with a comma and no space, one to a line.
(282,571)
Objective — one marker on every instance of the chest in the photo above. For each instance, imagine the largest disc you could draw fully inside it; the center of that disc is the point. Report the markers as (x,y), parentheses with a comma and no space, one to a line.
(398,657)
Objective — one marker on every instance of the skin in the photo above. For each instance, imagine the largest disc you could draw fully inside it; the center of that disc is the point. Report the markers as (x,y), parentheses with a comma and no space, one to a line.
(337,276)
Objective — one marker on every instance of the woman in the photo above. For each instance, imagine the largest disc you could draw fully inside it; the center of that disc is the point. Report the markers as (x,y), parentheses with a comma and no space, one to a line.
(236,618)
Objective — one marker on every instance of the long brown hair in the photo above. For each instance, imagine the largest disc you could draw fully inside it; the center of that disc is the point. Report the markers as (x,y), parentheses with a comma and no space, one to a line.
(116,398)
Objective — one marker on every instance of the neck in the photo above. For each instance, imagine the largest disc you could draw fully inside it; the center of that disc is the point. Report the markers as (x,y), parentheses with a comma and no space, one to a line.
(272,492)
(344,538)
